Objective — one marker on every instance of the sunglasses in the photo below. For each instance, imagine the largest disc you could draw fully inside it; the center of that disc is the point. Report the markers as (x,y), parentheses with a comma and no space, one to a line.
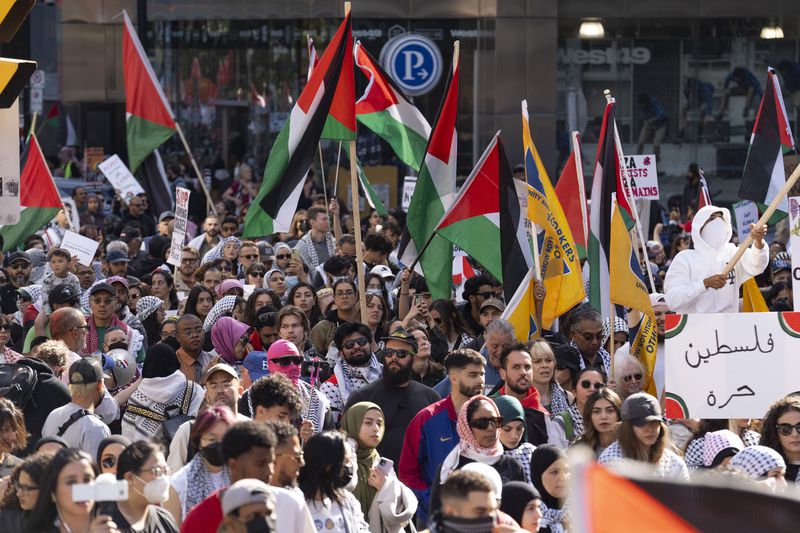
(244,340)
(361,341)
(629,377)
(586,384)
(289,361)
(283,256)
(257,274)
(786,429)
(108,462)
(400,354)
(588,337)
(484,423)
(486,295)
(5,327)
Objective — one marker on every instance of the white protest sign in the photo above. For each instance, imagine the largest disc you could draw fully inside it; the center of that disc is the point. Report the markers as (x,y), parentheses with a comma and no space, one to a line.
(731,365)
(82,247)
(179,231)
(248,290)
(409,184)
(642,176)
(120,178)
(9,164)
(794,245)
(745,213)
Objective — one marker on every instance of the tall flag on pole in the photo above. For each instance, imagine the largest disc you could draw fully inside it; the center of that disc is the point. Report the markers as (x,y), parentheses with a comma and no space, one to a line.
(560,265)
(148,115)
(386,111)
(521,310)
(296,146)
(434,192)
(341,122)
(703,197)
(763,174)
(39,198)
(626,278)
(571,192)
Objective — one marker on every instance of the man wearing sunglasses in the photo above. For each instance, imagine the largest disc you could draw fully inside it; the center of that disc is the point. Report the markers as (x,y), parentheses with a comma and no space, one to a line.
(19,271)
(356,367)
(401,398)
(248,254)
(587,336)
(477,290)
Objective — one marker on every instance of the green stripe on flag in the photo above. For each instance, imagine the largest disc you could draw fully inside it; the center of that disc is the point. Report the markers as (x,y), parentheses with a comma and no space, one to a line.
(480,238)
(31,220)
(336,130)
(372,197)
(408,145)
(143,137)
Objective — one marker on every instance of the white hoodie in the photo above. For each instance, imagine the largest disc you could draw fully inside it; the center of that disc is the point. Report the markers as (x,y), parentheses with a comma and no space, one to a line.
(684,286)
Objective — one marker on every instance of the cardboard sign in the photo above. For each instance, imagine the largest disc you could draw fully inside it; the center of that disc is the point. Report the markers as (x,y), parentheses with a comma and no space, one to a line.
(9,164)
(745,213)
(82,247)
(120,178)
(794,245)
(409,184)
(179,231)
(642,176)
(730,365)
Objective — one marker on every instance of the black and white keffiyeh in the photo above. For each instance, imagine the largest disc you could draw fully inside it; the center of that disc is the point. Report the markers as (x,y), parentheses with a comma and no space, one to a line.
(222,308)
(756,461)
(693,456)
(523,453)
(198,481)
(559,402)
(670,466)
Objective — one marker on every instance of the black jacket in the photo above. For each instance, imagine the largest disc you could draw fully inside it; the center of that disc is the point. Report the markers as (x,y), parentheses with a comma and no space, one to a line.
(49,394)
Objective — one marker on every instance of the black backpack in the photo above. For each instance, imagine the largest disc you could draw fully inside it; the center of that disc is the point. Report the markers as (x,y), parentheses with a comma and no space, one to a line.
(17,383)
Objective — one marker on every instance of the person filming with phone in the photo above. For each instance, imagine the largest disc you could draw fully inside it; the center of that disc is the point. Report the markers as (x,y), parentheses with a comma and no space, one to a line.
(387,504)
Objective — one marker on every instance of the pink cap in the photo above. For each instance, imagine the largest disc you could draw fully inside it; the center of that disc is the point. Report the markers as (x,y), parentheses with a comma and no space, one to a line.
(227,285)
(282,348)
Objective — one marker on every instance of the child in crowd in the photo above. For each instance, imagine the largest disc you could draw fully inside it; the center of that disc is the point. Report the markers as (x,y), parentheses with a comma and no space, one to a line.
(60,261)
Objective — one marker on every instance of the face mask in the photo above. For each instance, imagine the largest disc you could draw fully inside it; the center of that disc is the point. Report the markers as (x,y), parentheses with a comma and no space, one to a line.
(291,281)
(346,479)
(715,233)
(260,524)
(292,371)
(156,490)
(121,345)
(212,454)
(452,524)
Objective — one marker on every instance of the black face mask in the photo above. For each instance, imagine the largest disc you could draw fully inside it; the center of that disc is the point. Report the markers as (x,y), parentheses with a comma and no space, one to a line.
(452,524)
(120,345)
(344,479)
(261,524)
(212,454)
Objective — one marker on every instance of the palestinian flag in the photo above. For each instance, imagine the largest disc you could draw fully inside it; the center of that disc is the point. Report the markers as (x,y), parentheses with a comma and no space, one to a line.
(434,192)
(703,197)
(571,192)
(39,198)
(296,146)
(313,59)
(149,118)
(372,197)
(763,174)
(386,111)
(53,116)
(341,122)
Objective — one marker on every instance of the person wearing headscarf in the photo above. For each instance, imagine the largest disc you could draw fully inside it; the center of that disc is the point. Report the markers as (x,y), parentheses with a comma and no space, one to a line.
(231,339)
(512,433)
(523,503)
(223,307)
(478,426)
(761,463)
(719,447)
(387,504)
(550,476)
(621,331)
(228,285)
(108,452)
(163,385)
(218,252)
(150,312)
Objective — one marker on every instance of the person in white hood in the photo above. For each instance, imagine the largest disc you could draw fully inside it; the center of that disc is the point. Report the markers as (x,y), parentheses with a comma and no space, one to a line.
(694,283)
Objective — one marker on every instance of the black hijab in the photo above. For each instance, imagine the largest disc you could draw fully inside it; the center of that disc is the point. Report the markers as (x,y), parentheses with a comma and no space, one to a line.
(516,497)
(113,439)
(160,362)
(544,456)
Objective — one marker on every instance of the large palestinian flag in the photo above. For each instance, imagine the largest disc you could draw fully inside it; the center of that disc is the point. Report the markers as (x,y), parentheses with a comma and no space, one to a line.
(39,199)
(148,115)
(294,149)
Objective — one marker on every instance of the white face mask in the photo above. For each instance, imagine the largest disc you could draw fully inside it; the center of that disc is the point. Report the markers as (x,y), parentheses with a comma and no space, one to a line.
(715,233)
(156,490)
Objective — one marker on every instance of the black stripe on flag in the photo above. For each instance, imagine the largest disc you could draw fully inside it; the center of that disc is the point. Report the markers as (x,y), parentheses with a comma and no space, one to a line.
(514,265)
(765,148)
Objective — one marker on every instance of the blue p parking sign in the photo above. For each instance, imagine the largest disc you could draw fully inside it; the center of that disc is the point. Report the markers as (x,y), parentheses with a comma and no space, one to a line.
(414,62)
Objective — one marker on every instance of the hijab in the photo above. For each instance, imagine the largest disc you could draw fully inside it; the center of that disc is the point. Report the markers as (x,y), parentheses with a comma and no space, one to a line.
(468,446)
(225,333)
(544,456)
(147,305)
(366,457)
(756,461)
(224,305)
(160,362)
(511,409)
(516,497)
(113,439)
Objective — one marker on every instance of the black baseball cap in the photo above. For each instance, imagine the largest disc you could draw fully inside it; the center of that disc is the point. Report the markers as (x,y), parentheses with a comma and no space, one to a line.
(166,215)
(117,256)
(567,357)
(19,256)
(85,371)
(402,336)
(62,294)
(100,287)
(641,408)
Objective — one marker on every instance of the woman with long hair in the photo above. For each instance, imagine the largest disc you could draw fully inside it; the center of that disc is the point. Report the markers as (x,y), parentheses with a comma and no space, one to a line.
(299,226)
(150,312)
(200,301)
(327,480)
(303,297)
(550,476)
(13,436)
(778,430)
(22,492)
(374,283)
(450,323)
(163,286)
(512,433)
(643,436)
(388,504)
(206,472)
(551,395)
(377,317)
(257,299)
(135,292)
(601,415)
(569,425)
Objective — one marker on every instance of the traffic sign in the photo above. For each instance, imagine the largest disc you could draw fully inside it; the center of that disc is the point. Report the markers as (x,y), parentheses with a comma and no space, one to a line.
(414,62)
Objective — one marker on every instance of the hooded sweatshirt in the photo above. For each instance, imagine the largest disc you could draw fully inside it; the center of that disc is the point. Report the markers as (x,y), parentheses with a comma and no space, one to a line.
(48,394)
(684,286)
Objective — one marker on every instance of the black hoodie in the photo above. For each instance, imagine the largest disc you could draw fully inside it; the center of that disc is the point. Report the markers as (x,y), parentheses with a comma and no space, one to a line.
(49,394)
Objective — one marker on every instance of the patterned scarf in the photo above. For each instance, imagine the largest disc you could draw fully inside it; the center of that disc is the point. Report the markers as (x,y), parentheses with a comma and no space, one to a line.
(351,378)
(577,421)
(216,252)
(553,518)
(198,481)
(468,445)
(313,405)
(10,356)
(558,399)
(224,306)
(92,338)
(311,250)
(147,305)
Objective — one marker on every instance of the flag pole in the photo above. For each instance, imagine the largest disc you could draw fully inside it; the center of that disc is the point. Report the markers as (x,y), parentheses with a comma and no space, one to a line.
(576,149)
(338,160)
(33,124)
(761,221)
(537,267)
(195,167)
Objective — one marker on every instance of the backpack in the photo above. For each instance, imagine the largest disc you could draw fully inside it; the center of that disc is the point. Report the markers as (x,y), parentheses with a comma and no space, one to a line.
(173,417)
(17,383)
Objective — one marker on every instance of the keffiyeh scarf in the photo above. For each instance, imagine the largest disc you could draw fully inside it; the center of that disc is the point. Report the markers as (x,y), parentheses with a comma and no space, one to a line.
(93,341)
(216,252)
(468,445)
(148,305)
(351,378)
(223,307)
(198,481)
(313,405)
(553,518)
(559,402)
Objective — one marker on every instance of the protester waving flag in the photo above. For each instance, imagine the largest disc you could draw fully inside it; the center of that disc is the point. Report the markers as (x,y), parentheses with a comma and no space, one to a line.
(703,197)
(296,145)
(771,139)
(571,193)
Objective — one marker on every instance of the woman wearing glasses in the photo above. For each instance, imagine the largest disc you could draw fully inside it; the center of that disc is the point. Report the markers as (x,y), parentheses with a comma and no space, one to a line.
(780,431)
(22,492)
(629,373)
(568,425)
(231,339)
(108,453)
(478,427)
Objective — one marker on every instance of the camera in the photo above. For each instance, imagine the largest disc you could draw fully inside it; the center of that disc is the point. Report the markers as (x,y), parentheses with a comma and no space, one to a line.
(106,488)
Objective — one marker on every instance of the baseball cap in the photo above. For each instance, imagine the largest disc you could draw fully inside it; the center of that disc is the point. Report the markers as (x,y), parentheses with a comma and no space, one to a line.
(657,299)
(166,215)
(85,371)
(383,271)
(62,294)
(493,302)
(780,264)
(282,348)
(402,336)
(256,364)
(111,280)
(640,408)
(19,256)
(220,367)
(117,256)
(100,287)
(245,492)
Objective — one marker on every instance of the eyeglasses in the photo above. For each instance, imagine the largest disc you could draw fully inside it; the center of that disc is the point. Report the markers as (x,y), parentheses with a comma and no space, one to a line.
(486,295)
(344,294)
(249,256)
(193,332)
(629,377)
(361,341)
(84,327)
(400,354)
(5,327)
(484,423)
(283,256)
(244,340)
(188,260)
(589,337)
(166,335)
(257,274)
(157,471)
(786,429)
(586,384)
(289,361)
(25,489)
(109,462)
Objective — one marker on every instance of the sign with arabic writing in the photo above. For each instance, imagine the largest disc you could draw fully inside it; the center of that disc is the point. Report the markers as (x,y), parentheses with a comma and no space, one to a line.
(731,365)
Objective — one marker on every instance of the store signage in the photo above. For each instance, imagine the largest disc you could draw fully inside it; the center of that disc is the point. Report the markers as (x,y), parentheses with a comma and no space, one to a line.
(414,62)
(637,55)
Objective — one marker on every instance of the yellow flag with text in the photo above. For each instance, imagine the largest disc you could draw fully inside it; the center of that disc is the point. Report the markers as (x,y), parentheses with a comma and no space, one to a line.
(521,310)
(644,347)
(625,274)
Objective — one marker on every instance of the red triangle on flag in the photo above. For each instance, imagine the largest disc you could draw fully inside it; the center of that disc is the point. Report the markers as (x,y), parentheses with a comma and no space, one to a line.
(35,182)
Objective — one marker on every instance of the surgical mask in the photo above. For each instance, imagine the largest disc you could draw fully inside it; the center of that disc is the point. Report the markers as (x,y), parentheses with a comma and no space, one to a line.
(715,233)
(291,281)
(261,524)
(156,490)
(347,480)
(212,454)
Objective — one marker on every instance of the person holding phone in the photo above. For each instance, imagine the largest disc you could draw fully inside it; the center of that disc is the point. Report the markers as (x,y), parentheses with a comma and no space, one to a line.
(387,504)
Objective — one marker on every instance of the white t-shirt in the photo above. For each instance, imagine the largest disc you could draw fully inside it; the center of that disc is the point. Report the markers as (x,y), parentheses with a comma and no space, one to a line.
(84,434)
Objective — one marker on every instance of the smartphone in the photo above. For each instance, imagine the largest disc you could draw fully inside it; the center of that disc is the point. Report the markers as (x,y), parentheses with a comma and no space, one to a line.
(295,254)
(417,298)
(385,466)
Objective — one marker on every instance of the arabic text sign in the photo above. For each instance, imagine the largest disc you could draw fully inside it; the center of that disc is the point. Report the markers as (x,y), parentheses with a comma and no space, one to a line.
(120,178)
(179,231)
(642,176)
(732,365)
